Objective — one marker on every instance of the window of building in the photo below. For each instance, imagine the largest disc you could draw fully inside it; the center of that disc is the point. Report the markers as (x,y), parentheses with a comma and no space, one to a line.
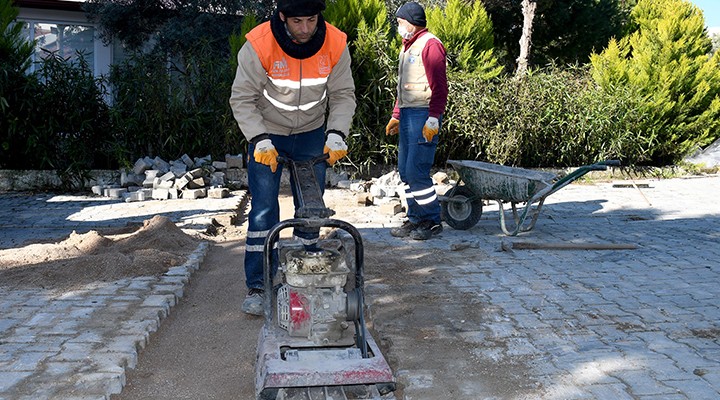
(65,33)
(64,39)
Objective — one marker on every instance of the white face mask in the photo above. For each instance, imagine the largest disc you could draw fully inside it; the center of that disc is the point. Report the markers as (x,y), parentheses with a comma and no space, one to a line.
(404,32)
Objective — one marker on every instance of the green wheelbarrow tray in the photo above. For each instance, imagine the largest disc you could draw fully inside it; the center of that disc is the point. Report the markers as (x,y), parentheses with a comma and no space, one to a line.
(462,205)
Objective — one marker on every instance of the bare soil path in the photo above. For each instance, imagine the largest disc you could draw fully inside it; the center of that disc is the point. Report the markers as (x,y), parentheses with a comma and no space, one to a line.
(205,349)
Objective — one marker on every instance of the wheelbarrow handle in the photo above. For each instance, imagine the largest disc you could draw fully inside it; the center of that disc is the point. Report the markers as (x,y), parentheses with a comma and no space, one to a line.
(571,177)
(602,165)
(610,163)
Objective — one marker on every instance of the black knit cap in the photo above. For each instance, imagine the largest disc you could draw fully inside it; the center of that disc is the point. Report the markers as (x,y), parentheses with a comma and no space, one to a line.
(413,13)
(300,8)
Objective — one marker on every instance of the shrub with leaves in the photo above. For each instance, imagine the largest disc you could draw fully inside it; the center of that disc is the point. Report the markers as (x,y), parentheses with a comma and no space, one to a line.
(15,50)
(348,15)
(666,61)
(374,46)
(55,118)
(467,34)
(168,109)
(552,118)
(17,89)
(170,26)
(237,40)
(74,134)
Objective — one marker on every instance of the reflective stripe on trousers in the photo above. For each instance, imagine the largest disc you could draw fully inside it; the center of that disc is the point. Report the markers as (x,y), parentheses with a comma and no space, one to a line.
(415,158)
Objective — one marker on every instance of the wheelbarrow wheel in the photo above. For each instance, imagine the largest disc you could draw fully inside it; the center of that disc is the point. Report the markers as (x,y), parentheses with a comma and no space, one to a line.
(463,209)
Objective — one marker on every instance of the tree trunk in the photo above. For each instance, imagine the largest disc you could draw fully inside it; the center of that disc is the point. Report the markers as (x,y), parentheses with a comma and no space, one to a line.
(528,10)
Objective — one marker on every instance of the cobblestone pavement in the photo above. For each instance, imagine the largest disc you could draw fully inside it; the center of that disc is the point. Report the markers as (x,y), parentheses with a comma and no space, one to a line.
(26,216)
(589,324)
(76,345)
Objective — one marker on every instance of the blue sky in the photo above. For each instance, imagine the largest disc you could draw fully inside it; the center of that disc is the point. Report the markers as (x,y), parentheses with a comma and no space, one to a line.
(711,11)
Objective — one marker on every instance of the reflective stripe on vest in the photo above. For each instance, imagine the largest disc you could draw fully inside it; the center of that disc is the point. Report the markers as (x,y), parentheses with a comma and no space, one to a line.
(293,84)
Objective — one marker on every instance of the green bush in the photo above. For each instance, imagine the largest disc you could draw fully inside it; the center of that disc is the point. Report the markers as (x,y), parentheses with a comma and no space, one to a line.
(467,34)
(553,118)
(373,47)
(169,109)
(58,120)
(55,118)
(237,40)
(71,132)
(665,61)
(17,89)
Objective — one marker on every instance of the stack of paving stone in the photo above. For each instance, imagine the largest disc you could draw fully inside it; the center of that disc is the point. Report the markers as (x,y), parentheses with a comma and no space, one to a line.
(186,177)
(387,191)
(194,178)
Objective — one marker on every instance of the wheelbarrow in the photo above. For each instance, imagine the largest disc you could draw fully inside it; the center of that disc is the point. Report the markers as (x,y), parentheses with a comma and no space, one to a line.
(462,205)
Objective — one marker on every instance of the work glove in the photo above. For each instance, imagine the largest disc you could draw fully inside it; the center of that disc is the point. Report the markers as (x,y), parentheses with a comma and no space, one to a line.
(431,128)
(393,127)
(265,153)
(335,147)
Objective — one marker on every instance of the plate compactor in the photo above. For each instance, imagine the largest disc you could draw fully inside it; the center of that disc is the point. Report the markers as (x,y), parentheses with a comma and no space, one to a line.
(314,343)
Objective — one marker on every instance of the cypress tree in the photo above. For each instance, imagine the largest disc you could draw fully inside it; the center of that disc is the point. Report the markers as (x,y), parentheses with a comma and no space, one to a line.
(467,34)
(666,60)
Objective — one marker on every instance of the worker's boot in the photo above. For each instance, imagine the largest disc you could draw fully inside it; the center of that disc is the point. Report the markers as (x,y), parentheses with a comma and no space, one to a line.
(403,230)
(425,230)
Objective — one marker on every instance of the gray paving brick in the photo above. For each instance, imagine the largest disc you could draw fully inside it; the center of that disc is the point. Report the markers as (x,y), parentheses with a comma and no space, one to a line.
(28,360)
(668,370)
(176,289)
(696,389)
(140,285)
(527,321)
(690,361)
(62,369)
(520,347)
(501,329)
(591,373)
(566,389)
(101,382)
(641,383)
(613,391)
(8,379)
(159,301)
(50,339)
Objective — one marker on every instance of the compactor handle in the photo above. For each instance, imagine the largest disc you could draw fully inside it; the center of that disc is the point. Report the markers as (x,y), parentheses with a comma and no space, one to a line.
(308,195)
(284,160)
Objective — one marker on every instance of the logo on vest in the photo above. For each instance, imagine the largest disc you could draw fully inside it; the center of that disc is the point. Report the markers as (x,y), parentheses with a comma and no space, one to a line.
(324,67)
(280,68)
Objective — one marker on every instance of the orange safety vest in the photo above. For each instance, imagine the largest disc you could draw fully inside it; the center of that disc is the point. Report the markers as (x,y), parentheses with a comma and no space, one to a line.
(293,84)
